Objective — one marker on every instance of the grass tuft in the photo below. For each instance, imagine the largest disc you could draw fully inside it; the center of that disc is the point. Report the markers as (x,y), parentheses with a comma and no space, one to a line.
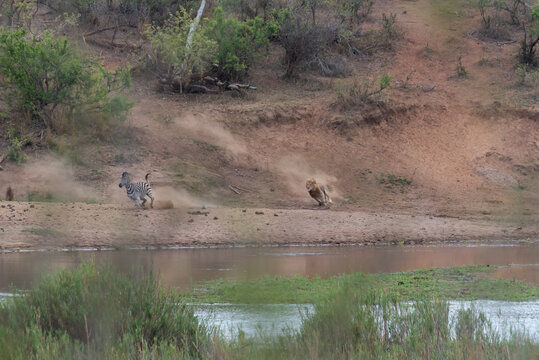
(94,312)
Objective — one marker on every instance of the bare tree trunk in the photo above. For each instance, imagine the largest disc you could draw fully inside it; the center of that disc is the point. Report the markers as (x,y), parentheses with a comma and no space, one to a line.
(193,27)
(189,42)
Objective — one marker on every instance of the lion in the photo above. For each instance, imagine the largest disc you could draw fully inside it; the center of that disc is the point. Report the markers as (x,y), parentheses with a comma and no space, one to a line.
(318,192)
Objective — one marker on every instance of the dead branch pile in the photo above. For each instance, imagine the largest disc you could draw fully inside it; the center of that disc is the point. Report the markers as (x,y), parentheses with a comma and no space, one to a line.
(213,85)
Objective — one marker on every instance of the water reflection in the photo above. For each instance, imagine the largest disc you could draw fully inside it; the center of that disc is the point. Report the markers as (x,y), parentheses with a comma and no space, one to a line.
(182,267)
(270,320)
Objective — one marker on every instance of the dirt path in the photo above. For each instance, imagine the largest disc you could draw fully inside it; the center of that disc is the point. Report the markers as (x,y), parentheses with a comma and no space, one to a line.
(72,225)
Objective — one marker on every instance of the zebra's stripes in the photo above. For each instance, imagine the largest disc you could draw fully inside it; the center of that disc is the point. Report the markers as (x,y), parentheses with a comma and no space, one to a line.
(137,191)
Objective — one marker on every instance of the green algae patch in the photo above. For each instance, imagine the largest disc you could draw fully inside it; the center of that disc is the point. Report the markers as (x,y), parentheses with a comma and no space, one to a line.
(460,283)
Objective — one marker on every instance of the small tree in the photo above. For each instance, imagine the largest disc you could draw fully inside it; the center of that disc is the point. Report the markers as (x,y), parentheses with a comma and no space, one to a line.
(302,41)
(243,8)
(17,12)
(169,56)
(314,6)
(43,74)
(531,36)
(356,10)
(239,44)
(483,6)
(514,8)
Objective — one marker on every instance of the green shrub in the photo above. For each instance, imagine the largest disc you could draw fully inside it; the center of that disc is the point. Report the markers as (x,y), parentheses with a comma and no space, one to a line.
(361,92)
(246,9)
(16,12)
(14,151)
(45,76)
(355,10)
(169,55)
(239,43)
(97,311)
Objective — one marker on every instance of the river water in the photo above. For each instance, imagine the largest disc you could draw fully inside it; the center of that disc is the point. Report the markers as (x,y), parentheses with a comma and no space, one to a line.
(272,319)
(181,267)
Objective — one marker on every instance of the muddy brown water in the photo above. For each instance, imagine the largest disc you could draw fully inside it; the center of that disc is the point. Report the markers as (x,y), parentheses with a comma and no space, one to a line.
(182,267)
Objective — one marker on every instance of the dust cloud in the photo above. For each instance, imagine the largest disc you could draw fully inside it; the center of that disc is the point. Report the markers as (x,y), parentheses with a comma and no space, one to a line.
(295,171)
(211,132)
(50,177)
(180,198)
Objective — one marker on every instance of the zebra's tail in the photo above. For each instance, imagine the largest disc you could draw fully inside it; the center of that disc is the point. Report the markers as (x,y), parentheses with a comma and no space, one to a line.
(147,176)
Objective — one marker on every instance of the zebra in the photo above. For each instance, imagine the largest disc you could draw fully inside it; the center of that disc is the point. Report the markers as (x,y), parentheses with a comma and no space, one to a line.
(137,191)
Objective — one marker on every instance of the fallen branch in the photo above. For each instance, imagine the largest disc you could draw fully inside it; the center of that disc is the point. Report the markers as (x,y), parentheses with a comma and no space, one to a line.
(243,86)
(236,88)
(241,188)
(428,88)
(201,89)
(198,212)
(107,28)
(233,189)
(112,45)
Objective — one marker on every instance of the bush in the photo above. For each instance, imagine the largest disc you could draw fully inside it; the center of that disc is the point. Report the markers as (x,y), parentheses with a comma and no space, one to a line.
(93,310)
(361,92)
(107,12)
(302,40)
(45,75)
(16,12)
(527,75)
(239,44)
(169,55)
(376,325)
(14,151)
(247,9)
(355,10)
(244,9)
(531,37)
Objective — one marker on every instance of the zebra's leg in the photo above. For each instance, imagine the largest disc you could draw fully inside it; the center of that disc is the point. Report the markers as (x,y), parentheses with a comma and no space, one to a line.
(143,202)
(151,203)
(135,202)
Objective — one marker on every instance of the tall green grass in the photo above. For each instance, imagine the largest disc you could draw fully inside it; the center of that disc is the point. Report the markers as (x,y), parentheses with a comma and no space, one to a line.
(374,325)
(93,312)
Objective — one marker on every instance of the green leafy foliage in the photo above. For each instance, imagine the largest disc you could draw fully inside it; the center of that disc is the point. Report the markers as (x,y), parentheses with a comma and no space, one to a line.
(44,74)
(361,92)
(239,43)
(464,283)
(246,9)
(95,310)
(355,10)
(14,151)
(169,55)
(16,12)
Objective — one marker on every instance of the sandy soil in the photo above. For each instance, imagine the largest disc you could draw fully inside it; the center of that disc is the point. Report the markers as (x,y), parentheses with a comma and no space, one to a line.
(440,158)
(69,225)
